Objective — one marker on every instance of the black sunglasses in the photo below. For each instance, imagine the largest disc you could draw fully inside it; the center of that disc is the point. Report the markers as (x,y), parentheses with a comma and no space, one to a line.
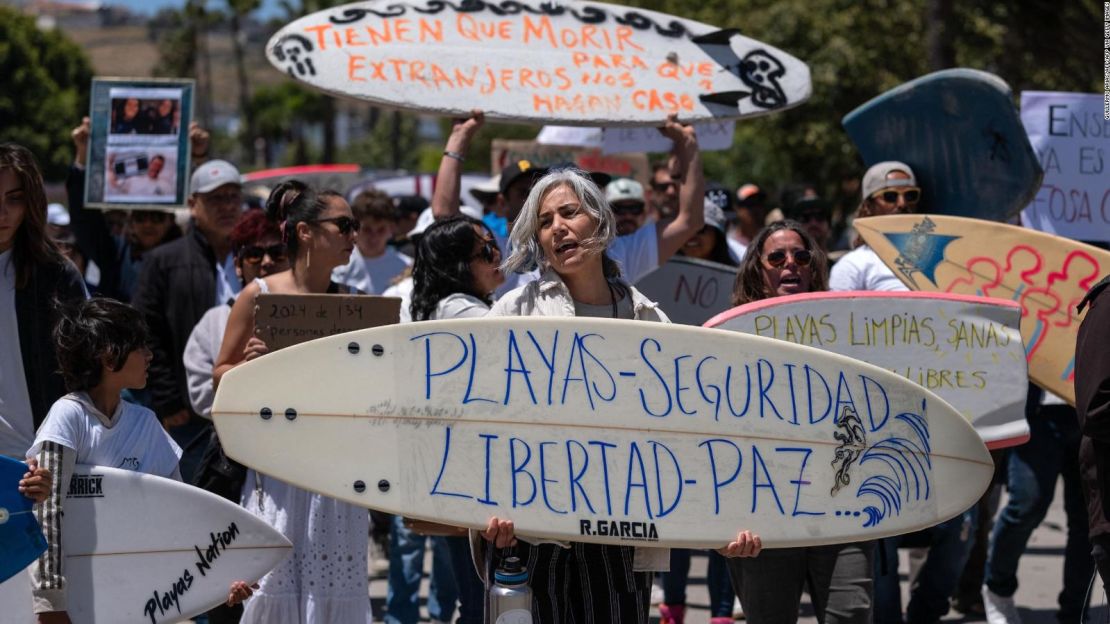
(777,258)
(253,254)
(663,186)
(628,208)
(488,252)
(891,196)
(345,224)
(150,216)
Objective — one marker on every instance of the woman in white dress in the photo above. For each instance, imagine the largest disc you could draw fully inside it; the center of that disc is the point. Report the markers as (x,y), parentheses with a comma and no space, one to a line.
(324,580)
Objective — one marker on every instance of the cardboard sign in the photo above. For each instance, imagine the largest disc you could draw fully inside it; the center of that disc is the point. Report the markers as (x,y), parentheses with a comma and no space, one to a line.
(633,166)
(1072,140)
(690,291)
(968,350)
(712,136)
(324,177)
(585,63)
(285,320)
(139,152)
(605,431)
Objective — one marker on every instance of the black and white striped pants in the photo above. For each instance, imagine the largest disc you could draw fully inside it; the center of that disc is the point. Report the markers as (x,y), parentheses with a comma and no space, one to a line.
(586,584)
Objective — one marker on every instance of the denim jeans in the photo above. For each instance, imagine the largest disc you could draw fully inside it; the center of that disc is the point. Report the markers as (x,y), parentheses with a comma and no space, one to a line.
(406,567)
(1052,451)
(716,579)
(950,543)
(472,593)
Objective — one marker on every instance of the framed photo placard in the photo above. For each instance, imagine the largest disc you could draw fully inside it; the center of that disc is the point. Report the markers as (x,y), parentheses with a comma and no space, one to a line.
(139,143)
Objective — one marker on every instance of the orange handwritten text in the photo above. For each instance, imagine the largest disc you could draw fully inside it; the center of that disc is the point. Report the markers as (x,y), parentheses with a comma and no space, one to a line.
(581,104)
(386,32)
(585,37)
(654,100)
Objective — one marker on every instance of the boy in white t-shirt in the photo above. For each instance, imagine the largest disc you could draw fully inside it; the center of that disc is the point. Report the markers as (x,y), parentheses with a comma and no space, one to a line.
(101,346)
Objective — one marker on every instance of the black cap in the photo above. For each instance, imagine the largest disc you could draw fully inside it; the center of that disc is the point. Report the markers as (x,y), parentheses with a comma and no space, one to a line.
(808,204)
(720,194)
(517,169)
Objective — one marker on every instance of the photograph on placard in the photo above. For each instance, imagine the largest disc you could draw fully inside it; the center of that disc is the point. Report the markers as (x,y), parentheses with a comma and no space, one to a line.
(132,114)
(141,173)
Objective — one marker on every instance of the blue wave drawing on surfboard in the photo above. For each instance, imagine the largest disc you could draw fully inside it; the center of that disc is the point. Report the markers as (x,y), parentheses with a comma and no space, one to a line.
(908,467)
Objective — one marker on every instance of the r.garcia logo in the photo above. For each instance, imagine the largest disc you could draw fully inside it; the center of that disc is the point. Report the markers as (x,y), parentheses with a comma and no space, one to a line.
(625,530)
(85,486)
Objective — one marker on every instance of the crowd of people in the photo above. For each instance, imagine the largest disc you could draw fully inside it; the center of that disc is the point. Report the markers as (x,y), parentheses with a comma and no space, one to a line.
(124,361)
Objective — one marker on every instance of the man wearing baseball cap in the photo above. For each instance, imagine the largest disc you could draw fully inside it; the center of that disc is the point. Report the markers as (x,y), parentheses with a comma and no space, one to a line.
(888,188)
(180,281)
(626,198)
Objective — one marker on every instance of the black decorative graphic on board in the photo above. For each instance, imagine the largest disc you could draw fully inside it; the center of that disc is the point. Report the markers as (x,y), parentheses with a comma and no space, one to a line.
(294,52)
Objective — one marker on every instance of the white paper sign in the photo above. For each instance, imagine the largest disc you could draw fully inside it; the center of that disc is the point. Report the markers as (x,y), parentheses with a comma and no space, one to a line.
(713,136)
(1072,141)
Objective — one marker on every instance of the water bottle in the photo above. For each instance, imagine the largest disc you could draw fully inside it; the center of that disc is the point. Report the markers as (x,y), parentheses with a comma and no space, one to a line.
(510,598)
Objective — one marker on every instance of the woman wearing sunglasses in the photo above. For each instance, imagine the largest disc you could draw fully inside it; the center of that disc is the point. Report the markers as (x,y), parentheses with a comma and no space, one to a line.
(783,259)
(324,579)
(565,227)
(888,188)
(455,271)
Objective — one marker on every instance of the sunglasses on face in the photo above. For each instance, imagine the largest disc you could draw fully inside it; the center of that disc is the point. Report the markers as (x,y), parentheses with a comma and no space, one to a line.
(777,258)
(806,217)
(662,187)
(631,208)
(489,251)
(890,196)
(254,254)
(346,225)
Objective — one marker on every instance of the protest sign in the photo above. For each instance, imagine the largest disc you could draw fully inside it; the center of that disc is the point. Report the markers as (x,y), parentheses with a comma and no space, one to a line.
(1072,140)
(586,63)
(690,291)
(283,320)
(138,154)
(712,136)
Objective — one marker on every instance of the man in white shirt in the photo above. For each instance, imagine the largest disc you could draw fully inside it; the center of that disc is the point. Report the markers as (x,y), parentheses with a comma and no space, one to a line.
(374,264)
(153,184)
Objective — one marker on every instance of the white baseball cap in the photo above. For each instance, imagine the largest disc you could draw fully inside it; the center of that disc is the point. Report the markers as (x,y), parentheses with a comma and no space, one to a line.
(212,175)
(56,214)
(624,189)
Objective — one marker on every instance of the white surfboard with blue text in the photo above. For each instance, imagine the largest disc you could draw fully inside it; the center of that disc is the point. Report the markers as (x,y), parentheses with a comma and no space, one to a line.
(605,431)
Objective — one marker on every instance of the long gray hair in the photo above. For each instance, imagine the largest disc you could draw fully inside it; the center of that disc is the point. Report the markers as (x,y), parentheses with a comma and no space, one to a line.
(524,239)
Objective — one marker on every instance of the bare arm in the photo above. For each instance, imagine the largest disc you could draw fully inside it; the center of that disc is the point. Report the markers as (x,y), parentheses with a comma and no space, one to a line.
(445,199)
(239,334)
(687,171)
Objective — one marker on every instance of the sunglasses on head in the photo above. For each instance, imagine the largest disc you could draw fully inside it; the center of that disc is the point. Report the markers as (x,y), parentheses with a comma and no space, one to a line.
(777,258)
(890,196)
(628,208)
(489,251)
(345,224)
(253,254)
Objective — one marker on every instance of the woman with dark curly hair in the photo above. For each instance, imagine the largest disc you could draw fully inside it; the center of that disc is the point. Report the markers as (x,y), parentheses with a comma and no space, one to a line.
(454,273)
(784,259)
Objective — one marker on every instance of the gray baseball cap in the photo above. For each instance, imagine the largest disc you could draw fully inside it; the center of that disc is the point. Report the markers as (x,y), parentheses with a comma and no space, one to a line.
(876,180)
(214,174)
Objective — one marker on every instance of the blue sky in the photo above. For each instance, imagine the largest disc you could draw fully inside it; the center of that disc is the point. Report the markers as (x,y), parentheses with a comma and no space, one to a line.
(150,7)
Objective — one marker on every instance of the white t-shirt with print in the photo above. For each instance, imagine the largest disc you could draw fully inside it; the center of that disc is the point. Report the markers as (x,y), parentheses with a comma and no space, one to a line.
(132,439)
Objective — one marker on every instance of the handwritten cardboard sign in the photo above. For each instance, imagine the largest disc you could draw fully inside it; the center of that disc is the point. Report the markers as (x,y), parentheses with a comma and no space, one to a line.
(585,63)
(285,320)
(1072,141)
(968,350)
(689,290)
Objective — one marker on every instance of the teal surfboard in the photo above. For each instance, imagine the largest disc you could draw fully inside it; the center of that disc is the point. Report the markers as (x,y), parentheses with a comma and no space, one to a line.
(961,132)
(21,540)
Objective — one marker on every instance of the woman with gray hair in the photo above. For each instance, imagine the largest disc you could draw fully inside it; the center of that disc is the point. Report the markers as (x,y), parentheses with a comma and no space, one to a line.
(565,227)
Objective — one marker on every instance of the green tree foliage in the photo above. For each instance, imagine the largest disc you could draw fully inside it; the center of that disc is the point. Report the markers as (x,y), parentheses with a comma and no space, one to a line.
(858,49)
(44,88)
(283,112)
